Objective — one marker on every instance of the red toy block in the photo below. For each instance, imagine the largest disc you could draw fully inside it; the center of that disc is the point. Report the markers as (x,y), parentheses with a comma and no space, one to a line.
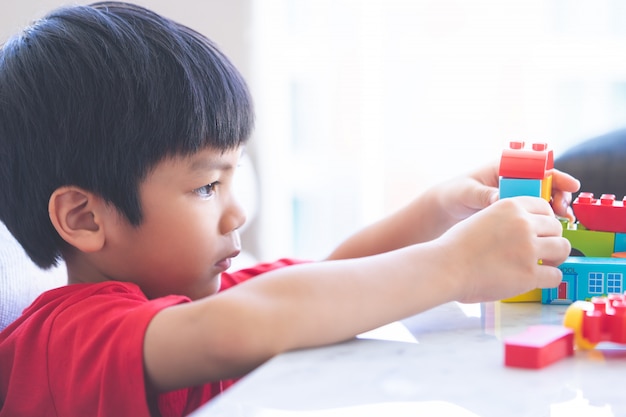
(519,162)
(605,214)
(538,346)
(606,321)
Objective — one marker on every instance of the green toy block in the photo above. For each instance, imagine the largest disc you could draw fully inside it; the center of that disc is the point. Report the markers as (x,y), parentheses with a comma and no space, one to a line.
(589,242)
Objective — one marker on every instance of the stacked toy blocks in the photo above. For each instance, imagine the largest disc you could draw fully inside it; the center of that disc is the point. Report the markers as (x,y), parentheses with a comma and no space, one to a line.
(526,171)
(598,239)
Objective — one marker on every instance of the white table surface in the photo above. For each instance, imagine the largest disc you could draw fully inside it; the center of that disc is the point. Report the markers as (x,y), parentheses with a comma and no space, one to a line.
(455,367)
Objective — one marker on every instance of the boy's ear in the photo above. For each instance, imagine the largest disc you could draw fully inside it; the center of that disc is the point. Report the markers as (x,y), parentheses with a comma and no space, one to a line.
(76,215)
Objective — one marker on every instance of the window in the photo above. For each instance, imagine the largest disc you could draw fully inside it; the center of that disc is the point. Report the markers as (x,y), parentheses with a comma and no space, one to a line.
(596,283)
(614,283)
(362,104)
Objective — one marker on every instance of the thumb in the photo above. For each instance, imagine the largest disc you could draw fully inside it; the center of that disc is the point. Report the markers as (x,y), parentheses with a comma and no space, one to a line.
(476,198)
(483,196)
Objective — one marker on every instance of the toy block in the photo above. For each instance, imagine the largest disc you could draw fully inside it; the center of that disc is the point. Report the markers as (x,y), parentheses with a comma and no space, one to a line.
(513,187)
(588,242)
(531,296)
(603,319)
(606,322)
(538,346)
(518,161)
(602,214)
(585,278)
(546,188)
(620,242)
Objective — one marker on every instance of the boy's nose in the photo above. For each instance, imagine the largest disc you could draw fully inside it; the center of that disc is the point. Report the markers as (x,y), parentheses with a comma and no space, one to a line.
(233,218)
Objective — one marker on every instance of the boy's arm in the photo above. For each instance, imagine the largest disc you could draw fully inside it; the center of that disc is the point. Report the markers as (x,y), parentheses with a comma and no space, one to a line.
(441,207)
(308,305)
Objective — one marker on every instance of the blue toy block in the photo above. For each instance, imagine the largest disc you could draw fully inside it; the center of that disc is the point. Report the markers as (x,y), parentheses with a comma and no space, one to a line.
(587,277)
(620,242)
(514,187)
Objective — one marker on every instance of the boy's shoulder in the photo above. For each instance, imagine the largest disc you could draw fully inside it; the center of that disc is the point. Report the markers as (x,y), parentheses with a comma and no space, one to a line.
(71,336)
(71,307)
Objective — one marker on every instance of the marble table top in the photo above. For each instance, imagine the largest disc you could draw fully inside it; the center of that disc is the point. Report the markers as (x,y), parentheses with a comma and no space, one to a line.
(447,361)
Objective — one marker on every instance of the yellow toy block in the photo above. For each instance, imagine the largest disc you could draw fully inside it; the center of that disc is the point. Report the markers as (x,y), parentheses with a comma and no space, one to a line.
(532,296)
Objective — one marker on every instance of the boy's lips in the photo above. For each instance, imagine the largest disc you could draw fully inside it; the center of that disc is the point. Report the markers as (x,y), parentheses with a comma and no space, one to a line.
(225,263)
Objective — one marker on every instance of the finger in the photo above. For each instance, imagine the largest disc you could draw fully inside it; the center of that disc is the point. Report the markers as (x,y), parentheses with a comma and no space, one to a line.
(562,181)
(488,174)
(547,226)
(548,276)
(474,196)
(482,196)
(561,204)
(535,205)
(552,251)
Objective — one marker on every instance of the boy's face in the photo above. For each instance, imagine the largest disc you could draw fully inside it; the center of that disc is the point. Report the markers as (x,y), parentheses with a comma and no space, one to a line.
(189,230)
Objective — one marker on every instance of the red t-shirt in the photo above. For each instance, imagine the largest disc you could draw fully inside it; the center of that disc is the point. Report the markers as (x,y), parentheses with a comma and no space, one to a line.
(78,351)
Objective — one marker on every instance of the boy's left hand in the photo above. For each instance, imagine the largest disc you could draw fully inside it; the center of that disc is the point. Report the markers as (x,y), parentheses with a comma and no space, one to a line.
(480,189)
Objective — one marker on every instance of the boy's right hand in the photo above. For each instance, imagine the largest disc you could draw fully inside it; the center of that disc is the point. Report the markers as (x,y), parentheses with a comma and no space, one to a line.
(511,247)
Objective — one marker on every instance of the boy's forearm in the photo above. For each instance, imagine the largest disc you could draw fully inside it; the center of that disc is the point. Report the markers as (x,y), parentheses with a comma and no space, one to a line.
(295,307)
(419,221)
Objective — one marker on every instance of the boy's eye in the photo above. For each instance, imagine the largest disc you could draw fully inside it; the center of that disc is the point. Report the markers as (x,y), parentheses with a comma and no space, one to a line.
(206,191)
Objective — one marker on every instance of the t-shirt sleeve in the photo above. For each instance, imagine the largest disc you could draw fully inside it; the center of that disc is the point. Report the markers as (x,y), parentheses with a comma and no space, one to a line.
(105,334)
(231,279)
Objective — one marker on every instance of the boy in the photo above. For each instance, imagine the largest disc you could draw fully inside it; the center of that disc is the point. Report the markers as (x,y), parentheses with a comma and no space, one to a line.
(120,131)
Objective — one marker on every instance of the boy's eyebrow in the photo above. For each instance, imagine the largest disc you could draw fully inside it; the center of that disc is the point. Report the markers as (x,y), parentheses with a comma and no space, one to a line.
(207,164)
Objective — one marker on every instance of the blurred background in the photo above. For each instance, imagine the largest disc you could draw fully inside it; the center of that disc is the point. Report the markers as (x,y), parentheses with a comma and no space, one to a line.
(362,104)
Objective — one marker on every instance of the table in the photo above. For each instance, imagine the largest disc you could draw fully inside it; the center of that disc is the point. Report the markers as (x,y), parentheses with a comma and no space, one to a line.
(454,367)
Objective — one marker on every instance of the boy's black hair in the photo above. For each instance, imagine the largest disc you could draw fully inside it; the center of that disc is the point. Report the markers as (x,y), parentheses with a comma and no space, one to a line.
(94,96)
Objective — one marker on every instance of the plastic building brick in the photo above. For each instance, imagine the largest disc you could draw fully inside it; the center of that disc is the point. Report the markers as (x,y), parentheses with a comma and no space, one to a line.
(620,243)
(585,278)
(603,319)
(589,242)
(512,187)
(603,214)
(520,162)
(539,346)
(532,296)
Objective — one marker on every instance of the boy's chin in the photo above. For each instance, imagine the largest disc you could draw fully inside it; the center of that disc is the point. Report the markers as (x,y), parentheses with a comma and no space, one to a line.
(211,287)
